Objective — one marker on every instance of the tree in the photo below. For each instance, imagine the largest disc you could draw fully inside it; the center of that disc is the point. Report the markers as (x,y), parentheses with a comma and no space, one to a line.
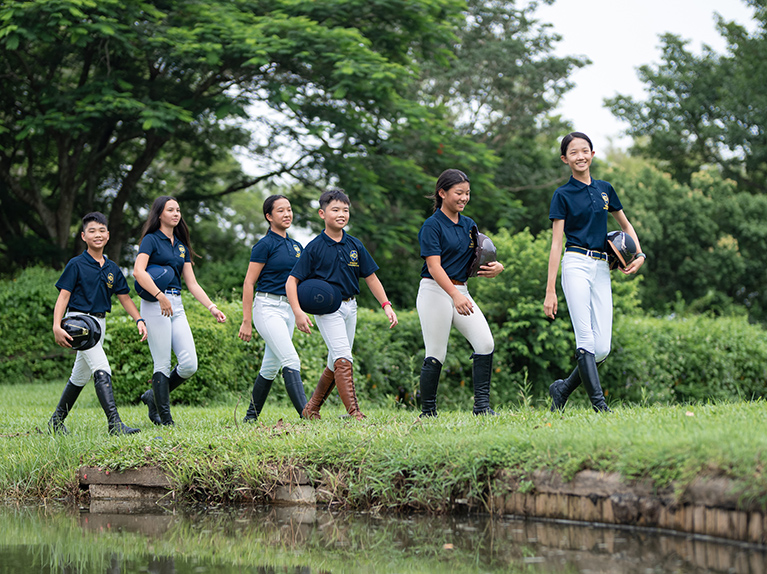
(707,109)
(94,92)
(486,111)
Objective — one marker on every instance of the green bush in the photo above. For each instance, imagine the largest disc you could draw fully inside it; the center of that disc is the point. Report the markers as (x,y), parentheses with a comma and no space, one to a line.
(27,349)
(685,360)
(653,360)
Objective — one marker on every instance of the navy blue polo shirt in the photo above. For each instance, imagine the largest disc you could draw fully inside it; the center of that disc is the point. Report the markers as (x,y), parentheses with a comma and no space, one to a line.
(451,241)
(161,252)
(340,263)
(584,209)
(279,255)
(91,284)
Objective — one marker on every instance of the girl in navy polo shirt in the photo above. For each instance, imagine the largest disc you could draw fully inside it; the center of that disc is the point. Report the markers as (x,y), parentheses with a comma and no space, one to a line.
(443,298)
(271,261)
(165,242)
(579,210)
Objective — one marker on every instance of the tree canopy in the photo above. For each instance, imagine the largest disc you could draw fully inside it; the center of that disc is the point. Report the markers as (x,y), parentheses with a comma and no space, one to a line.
(95,92)
(707,109)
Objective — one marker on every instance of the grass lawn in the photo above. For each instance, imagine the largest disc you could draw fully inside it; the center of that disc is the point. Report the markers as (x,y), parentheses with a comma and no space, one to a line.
(390,460)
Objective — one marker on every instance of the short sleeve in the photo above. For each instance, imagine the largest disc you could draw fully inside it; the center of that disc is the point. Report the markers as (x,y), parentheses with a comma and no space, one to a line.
(121,285)
(558,209)
(303,266)
(614,203)
(147,245)
(429,239)
(259,253)
(68,278)
(368,266)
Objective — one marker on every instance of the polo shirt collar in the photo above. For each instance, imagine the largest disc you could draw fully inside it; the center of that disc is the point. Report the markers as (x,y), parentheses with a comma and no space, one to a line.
(446,219)
(277,235)
(330,241)
(91,261)
(578,185)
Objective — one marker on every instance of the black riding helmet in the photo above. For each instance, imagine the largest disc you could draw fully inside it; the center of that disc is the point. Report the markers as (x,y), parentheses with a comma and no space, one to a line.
(84,330)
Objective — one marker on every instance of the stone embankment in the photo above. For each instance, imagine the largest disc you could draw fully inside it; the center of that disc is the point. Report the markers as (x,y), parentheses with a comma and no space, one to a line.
(708,506)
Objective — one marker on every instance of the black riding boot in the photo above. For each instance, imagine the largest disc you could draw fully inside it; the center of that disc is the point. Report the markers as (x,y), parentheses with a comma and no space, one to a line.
(148,397)
(560,390)
(161,392)
(258,396)
(430,371)
(295,388)
(66,402)
(587,366)
(102,382)
(481,372)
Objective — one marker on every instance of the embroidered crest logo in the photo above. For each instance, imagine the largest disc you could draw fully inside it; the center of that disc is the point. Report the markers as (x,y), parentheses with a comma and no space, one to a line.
(297,249)
(606,200)
(182,251)
(354,258)
(110,280)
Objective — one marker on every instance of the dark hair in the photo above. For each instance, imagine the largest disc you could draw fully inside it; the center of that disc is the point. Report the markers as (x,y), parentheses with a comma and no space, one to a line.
(96,216)
(269,204)
(445,181)
(333,195)
(570,137)
(181,231)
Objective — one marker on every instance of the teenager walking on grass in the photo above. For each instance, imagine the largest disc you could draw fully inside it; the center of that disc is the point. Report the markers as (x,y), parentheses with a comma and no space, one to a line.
(271,261)
(447,246)
(165,244)
(85,288)
(579,211)
(341,260)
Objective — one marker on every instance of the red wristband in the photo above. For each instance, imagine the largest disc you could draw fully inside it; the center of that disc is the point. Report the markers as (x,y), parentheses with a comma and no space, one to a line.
(385,303)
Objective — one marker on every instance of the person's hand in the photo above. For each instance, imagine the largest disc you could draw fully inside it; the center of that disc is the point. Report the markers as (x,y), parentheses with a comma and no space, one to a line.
(303,323)
(218,314)
(141,326)
(246,331)
(62,337)
(491,269)
(550,305)
(463,304)
(165,307)
(634,266)
(391,315)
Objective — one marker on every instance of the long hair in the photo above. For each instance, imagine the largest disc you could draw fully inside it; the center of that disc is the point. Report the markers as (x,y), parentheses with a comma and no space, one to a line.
(181,231)
(445,181)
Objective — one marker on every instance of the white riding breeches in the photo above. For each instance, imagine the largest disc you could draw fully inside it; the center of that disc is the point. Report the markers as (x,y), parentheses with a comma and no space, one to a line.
(437,314)
(586,284)
(275,323)
(166,334)
(337,331)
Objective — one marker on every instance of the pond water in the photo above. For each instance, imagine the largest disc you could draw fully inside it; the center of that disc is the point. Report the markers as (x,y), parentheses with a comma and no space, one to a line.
(123,539)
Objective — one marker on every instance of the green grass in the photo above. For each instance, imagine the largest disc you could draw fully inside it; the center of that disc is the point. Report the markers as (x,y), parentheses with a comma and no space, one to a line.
(391,460)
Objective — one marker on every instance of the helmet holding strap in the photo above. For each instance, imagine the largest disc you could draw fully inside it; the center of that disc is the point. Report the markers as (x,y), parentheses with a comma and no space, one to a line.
(484,251)
(84,330)
(621,249)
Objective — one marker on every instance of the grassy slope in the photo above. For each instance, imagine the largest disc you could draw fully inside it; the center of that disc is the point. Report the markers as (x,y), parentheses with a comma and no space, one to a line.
(390,460)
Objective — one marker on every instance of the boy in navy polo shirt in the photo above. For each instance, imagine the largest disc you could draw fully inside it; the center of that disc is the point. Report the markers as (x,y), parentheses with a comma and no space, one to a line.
(340,259)
(86,287)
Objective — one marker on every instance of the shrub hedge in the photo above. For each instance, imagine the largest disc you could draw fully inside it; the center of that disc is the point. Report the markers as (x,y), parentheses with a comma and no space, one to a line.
(653,359)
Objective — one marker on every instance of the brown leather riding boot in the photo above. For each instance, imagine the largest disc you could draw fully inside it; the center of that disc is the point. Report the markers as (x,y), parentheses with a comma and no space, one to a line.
(345,383)
(321,393)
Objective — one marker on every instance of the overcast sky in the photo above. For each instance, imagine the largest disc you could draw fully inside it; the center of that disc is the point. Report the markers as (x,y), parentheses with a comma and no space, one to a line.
(618,36)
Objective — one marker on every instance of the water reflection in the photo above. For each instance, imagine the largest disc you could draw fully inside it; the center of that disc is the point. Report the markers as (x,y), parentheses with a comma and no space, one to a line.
(301,540)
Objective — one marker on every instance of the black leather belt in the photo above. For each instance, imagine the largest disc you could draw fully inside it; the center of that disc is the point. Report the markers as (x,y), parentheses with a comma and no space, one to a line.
(97,315)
